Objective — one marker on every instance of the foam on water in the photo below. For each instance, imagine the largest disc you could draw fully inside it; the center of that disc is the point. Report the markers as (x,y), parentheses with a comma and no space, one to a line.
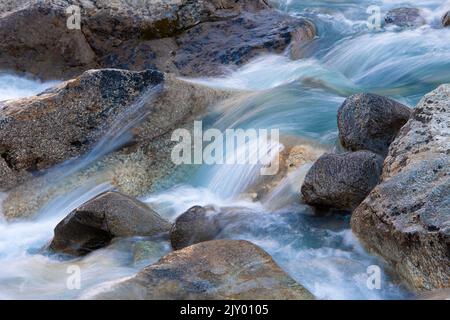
(13,86)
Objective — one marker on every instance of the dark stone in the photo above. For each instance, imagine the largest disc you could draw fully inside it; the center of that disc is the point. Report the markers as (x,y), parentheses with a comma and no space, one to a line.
(94,224)
(341,181)
(200,224)
(196,225)
(405,17)
(210,48)
(370,122)
(187,37)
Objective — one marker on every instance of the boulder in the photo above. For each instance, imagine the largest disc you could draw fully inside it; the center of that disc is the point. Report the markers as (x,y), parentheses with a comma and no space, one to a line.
(66,121)
(178,36)
(406,218)
(219,269)
(91,112)
(57,53)
(405,17)
(446,19)
(370,122)
(94,224)
(209,49)
(199,224)
(341,181)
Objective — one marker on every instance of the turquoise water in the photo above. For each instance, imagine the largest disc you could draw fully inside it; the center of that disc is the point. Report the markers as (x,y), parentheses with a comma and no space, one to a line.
(300,98)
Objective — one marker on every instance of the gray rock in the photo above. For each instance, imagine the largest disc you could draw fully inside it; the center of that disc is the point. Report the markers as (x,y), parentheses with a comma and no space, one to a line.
(370,122)
(66,121)
(200,224)
(405,17)
(342,181)
(406,218)
(188,37)
(446,19)
(219,269)
(94,224)
(71,119)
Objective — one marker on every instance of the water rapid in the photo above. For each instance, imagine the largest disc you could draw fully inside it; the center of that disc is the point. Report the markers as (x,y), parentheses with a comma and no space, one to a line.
(300,98)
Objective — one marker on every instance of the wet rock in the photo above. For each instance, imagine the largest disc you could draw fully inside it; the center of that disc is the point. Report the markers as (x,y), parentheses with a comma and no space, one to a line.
(149,251)
(66,121)
(405,17)
(139,35)
(406,218)
(200,224)
(439,294)
(294,160)
(341,181)
(210,48)
(370,122)
(219,269)
(36,40)
(446,19)
(94,224)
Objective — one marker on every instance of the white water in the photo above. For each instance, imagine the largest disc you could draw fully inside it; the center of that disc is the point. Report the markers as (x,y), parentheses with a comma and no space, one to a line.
(298,97)
(13,87)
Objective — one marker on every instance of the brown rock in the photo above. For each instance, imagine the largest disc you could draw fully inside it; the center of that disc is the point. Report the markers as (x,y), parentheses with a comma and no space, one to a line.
(186,37)
(105,99)
(65,122)
(94,224)
(220,269)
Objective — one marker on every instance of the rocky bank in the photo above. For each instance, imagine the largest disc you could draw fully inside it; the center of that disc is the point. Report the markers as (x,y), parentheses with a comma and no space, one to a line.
(406,218)
(186,37)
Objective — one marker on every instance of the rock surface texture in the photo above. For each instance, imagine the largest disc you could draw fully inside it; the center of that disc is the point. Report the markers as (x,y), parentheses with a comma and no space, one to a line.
(89,116)
(446,19)
(188,37)
(370,122)
(405,17)
(199,224)
(342,181)
(94,224)
(65,122)
(406,218)
(219,269)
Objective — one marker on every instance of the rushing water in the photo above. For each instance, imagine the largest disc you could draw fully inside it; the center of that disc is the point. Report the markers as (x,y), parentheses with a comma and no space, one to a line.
(300,98)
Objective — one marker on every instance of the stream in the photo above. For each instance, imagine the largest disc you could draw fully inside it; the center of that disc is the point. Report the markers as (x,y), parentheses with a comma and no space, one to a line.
(300,98)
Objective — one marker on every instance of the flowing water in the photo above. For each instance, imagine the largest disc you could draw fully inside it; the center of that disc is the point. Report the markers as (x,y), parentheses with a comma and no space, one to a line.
(300,98)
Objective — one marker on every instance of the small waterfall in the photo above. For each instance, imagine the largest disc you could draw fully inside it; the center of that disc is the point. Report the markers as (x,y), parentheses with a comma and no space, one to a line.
(22,243)
(115,137)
